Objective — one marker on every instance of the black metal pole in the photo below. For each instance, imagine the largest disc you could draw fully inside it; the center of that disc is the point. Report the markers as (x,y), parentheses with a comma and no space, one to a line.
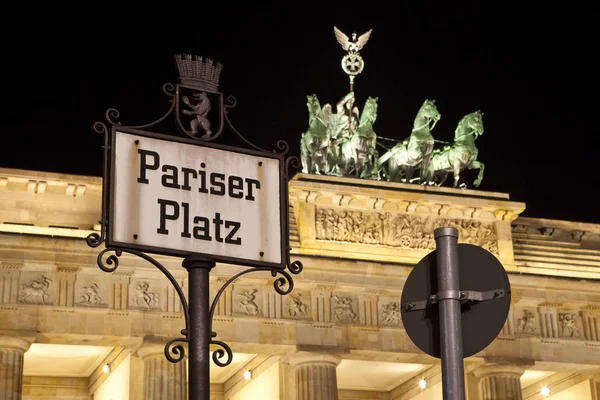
(199,334)
(448,297)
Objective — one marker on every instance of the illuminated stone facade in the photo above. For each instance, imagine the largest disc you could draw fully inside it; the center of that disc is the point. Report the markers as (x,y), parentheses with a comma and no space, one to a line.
(337,335)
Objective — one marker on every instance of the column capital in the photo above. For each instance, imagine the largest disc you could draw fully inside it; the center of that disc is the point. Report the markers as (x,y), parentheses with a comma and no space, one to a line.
(14,343)
(307,357)
(504,367)
(13,349)
(151,350)
(153,346)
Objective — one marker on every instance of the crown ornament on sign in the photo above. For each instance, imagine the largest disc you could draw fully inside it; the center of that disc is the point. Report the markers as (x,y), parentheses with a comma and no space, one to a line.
(201,73)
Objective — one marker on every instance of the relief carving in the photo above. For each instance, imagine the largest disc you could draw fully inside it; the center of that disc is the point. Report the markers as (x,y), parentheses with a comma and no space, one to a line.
(91,296)
(569,328)
(526,324)
(400,230)
(389,314)
(296,307)
(342,310)
(144,298)
(247,302)
(36,291)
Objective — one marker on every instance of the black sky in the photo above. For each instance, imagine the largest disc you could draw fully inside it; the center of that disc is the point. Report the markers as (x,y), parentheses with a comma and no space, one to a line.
(528,66)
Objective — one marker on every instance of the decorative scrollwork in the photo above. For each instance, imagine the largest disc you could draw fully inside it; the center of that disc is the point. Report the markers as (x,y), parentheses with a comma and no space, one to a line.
(177,349)
(285,284)
(94,239)
(220,353)
(169,89)
(112,115)
(282,147)
(113,259)
(296,267)
(230,103)
(99,128)
(293,163)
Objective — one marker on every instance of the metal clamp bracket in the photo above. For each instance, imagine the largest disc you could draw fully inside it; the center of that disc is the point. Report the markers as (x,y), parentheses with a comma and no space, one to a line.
(465,296)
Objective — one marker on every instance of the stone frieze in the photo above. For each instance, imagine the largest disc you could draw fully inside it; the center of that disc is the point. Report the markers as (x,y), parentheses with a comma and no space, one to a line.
(398,230)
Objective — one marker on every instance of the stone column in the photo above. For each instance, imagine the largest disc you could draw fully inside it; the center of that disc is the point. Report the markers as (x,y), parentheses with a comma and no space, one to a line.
(163,380)
(500,381)
(316,377)
(12,350)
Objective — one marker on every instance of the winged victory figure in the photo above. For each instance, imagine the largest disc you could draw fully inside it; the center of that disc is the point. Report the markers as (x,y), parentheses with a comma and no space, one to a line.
(355,44)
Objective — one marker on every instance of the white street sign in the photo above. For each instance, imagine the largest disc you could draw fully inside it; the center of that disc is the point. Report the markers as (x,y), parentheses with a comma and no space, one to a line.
(179,198)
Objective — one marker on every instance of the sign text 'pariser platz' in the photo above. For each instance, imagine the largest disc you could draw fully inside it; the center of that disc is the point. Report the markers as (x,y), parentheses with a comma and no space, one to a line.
(179,198)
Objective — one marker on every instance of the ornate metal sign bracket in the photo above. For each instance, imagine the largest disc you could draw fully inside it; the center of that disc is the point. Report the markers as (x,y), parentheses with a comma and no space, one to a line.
(200,114)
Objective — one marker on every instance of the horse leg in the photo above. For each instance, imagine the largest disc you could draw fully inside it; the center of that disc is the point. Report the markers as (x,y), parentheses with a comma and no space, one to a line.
(425,166)
(325,159)
(410,171)
(304,158)
(392,173)
(358,164)
(321,163)
(456,172)
(310,161)
(480,166)
(343,167)
(443,175)
(428,176)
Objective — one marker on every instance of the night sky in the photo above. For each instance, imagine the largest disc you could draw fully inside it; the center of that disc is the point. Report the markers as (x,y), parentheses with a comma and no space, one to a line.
(527,66)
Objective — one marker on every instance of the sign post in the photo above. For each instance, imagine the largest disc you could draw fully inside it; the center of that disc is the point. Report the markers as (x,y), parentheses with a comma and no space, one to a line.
(454,303)
(190,197)
(453,382)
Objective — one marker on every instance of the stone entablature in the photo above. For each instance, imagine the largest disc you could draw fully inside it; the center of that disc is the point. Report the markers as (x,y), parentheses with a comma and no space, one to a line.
(585,234)
(394,222)
(559,248)
(44,199)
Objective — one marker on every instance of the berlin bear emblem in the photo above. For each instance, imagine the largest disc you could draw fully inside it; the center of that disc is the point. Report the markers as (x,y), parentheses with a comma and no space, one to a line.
(199,112)
(198,103)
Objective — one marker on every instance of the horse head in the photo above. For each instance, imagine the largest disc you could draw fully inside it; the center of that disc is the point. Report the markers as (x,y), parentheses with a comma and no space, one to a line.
(429,112)
(369,113)
(471,124)
(314,107)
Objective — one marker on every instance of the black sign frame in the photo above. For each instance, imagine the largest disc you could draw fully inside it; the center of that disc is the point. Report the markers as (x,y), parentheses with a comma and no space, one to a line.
(108,187)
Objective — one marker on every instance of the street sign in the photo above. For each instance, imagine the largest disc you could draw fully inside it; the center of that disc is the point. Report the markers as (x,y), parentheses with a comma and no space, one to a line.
(484,290)
(178,196)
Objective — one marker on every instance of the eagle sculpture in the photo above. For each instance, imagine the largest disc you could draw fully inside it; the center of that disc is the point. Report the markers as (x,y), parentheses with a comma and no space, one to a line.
(354,44)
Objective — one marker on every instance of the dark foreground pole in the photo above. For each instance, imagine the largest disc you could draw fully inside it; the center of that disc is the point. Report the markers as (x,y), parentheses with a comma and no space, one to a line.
(199,333)
(448,297)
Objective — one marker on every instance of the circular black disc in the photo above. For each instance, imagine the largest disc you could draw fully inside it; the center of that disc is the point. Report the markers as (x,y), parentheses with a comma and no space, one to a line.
(479,270)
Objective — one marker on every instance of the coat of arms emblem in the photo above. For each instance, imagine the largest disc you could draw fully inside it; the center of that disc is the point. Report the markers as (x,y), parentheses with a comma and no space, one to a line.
(198,103)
